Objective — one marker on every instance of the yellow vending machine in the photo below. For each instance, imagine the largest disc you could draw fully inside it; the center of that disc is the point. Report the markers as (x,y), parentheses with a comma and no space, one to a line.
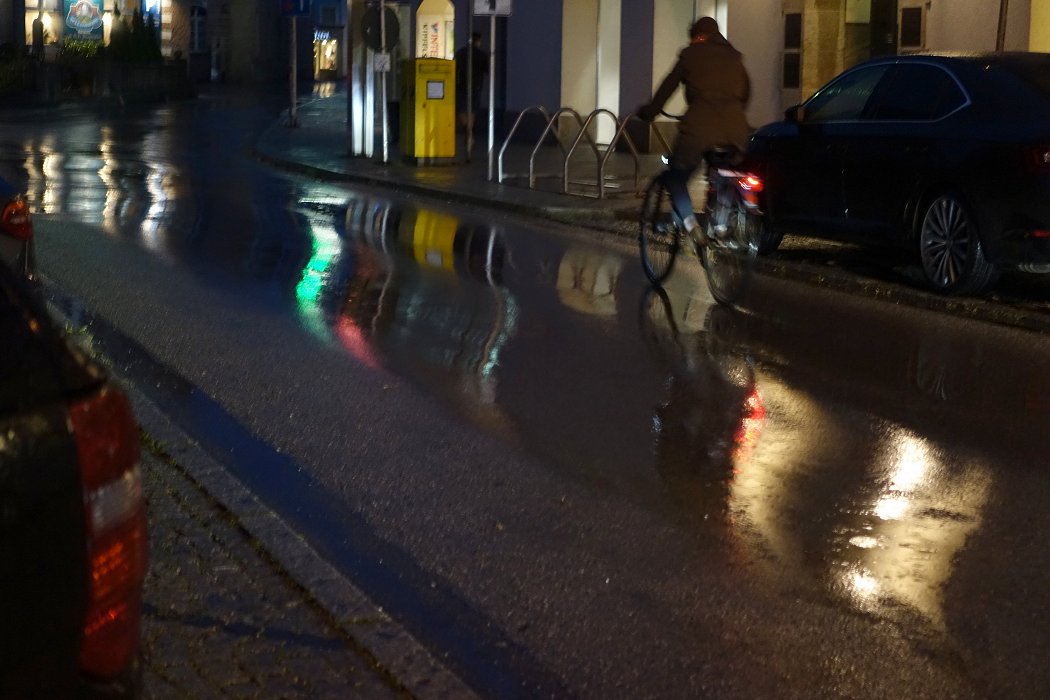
(428,111)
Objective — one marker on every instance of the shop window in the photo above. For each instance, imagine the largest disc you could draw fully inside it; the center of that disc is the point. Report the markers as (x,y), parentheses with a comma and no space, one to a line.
(792,78)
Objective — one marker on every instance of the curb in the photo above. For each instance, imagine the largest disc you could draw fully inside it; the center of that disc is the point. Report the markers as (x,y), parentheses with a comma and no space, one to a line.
(560,214)
(392,647)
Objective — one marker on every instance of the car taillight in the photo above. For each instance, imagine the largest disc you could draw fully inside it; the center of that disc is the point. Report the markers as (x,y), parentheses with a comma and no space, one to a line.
(15,219)
(107,443)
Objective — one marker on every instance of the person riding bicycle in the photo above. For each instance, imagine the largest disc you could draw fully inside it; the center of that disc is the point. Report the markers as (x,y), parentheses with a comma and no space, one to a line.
(717,90)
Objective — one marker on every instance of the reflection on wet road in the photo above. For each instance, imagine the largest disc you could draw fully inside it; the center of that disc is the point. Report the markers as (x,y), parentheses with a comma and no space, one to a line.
(824,446)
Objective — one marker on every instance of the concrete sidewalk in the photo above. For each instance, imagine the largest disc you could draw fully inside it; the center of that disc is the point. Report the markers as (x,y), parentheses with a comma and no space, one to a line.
(318,147)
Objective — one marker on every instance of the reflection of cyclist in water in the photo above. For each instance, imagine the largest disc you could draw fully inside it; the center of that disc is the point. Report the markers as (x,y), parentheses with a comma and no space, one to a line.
(709,419)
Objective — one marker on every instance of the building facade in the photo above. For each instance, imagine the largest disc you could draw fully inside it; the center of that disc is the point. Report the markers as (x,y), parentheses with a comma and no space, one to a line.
(584,54)
(610,54)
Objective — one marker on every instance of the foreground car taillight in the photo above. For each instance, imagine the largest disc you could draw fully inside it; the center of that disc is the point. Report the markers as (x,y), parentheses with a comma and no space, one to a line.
(15,219)
(108,449)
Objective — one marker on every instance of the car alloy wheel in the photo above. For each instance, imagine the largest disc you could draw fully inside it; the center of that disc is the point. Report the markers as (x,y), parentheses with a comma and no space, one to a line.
(951,252)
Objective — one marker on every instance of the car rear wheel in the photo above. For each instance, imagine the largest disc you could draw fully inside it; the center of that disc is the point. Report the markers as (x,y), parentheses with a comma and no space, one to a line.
(768,238)
(950,249)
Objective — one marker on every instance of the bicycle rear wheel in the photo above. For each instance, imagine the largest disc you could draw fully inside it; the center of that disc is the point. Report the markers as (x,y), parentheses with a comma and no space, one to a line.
(729,258)
(659,237)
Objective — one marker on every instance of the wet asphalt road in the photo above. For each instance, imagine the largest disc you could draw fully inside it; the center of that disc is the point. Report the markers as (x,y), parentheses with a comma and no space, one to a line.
(570,485)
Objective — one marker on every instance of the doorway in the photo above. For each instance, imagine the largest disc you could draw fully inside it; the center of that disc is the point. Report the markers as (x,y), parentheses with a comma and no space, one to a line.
(883,28)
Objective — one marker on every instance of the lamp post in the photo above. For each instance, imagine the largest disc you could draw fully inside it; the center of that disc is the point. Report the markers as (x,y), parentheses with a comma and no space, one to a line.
(1000,37)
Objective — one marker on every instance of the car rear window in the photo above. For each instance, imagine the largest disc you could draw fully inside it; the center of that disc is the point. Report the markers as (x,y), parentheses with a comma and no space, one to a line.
(1035,76)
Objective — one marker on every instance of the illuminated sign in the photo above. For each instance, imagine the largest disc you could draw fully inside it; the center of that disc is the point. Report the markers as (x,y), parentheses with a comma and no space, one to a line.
(84,19)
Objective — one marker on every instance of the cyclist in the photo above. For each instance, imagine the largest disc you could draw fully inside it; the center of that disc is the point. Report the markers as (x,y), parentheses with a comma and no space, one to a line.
(717,90)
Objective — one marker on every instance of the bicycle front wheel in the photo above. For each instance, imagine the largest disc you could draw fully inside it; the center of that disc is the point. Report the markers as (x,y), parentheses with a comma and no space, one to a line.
(729,256)
(658,237)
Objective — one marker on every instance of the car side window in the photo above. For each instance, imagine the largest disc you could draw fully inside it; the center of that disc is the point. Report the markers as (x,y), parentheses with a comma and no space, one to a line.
(844,99)
(917,92)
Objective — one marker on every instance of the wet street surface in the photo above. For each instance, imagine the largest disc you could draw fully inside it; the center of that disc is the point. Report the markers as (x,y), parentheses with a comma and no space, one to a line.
(562,482)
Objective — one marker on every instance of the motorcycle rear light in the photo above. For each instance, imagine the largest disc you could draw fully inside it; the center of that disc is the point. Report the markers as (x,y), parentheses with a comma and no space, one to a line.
(108,451)
(15,219)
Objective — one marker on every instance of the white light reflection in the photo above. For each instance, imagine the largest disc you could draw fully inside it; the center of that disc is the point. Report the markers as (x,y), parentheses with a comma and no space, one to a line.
(897,531)
(111,202)
(863,584)
(891,507)
(912,457)
(160,193)
(929,505)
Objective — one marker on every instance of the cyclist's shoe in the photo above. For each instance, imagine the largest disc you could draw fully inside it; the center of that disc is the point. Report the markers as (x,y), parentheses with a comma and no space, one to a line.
(665,226)
(719,233)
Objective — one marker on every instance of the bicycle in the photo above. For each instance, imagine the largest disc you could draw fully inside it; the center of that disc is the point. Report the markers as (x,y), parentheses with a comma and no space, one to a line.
(728,237)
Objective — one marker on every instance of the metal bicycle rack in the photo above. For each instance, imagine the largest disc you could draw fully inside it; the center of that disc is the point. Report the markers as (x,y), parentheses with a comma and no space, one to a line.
(602,180)
(500,176)
(603,160)
(552,127)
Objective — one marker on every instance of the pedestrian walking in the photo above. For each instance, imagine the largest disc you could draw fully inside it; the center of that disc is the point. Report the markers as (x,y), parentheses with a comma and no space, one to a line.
(471,62)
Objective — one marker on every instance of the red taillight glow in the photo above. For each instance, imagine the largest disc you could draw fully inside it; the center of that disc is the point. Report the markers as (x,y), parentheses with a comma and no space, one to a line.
(751,186)
(1040,233)
(108,449)
(752,420)
(15,219)
(751,183)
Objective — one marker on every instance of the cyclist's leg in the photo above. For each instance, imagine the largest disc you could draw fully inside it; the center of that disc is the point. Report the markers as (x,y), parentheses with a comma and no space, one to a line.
(684,162)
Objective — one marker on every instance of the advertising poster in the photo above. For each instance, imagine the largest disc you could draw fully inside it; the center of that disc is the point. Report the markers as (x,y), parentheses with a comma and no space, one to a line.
(83,19)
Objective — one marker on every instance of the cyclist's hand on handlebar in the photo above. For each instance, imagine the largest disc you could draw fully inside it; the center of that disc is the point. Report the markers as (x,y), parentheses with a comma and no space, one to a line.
(647,113)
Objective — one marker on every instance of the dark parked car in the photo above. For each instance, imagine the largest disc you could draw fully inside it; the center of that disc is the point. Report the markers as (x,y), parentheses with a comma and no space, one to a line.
(946,154)
(16,231)
(73,541)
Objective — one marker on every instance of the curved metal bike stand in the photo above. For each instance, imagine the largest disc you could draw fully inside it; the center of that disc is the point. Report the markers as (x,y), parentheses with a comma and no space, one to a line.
(510,135)
(552,125)
(600,161)
(620,132)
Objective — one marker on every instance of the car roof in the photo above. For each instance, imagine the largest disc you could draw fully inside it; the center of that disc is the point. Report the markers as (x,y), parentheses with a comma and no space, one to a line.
(970,57)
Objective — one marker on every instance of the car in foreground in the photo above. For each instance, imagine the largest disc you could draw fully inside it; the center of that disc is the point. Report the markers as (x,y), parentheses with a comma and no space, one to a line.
(16,231)
(946,154)
(73,539)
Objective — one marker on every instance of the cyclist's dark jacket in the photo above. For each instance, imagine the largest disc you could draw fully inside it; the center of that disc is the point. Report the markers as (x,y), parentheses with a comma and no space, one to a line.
(717,90)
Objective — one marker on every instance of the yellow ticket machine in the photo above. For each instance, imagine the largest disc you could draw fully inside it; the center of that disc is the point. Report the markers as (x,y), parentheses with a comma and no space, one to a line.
(428,111)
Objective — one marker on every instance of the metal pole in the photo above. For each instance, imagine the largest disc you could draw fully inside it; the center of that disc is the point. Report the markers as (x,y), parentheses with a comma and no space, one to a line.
(291,80)
(492,90)
(382,46)
(468,128)
(1000,37)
